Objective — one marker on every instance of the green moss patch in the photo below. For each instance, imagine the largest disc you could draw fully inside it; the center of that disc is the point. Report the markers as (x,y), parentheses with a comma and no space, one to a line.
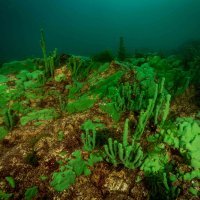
(45,114)
(82,104)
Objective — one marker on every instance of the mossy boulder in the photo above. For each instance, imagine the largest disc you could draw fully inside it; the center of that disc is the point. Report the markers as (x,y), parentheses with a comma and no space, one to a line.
(16,66)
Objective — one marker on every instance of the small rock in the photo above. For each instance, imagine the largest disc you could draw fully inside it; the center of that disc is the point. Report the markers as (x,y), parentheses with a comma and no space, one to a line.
(118,182)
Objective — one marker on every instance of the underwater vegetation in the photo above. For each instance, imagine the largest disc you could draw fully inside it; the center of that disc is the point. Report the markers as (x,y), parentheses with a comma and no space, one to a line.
(100,126)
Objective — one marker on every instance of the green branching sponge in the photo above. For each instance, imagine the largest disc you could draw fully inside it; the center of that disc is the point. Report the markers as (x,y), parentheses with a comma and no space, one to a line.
(159,101)
(122,97)
(166,110)
(158,108)
(44,51)
(144,116)
(162,106)
(125,134)
(111,151)
(8,118)
(89,137)
(130,155)
(75,65)
(49,61)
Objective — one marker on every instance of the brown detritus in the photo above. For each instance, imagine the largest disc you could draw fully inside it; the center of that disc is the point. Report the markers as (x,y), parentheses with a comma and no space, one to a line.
(52,165)
(8,143)
(139,192)
(84,189)
(185,105)
(100,172)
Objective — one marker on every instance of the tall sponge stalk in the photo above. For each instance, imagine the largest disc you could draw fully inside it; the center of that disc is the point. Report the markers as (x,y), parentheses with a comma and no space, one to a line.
(44,51)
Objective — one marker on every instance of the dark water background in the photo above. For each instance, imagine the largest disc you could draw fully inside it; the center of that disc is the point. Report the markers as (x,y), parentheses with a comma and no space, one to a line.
(88,26)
